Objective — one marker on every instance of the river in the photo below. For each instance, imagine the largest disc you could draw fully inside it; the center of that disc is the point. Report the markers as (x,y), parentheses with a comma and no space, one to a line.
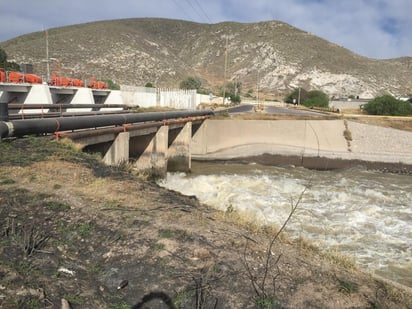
(361,213)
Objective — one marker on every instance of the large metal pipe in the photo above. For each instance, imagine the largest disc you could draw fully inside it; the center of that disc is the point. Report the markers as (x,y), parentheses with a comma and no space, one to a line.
(52,125)
(65,114)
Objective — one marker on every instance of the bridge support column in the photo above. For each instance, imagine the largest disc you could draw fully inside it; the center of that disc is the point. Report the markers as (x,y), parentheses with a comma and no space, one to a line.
(4,112)
(118,152)
(153,160)
(179,157)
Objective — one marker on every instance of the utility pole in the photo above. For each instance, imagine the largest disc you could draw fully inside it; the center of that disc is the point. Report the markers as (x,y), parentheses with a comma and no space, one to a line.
(257,83)
(47,57)
(224,76)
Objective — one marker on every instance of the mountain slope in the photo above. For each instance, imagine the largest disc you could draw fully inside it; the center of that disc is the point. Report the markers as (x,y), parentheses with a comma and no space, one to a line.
(164,52)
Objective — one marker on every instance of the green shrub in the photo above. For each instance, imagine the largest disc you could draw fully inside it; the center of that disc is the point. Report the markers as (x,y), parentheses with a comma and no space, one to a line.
(191,83)
(309,99)
(296,97)
(316,98)
(111,84)
(389,106)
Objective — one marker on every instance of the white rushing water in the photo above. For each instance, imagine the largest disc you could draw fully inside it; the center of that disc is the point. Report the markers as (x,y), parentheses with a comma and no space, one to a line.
(365,214)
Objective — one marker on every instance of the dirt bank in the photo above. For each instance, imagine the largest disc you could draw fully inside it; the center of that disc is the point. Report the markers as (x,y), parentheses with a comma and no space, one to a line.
(74,229)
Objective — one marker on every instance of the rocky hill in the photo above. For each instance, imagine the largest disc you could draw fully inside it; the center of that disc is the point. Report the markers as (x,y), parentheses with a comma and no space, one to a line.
(164,52)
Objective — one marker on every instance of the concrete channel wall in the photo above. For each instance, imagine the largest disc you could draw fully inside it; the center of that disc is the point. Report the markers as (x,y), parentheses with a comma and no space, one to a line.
(226,139)
(319,144)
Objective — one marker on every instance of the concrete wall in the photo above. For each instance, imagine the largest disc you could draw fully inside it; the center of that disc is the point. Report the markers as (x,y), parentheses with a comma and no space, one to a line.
(345,104)
(128,95)
(139,96)
(160,97)
(225,139)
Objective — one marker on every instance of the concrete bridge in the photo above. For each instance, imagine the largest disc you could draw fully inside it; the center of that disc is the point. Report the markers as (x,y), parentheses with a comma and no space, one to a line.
(155,143)
(152,148)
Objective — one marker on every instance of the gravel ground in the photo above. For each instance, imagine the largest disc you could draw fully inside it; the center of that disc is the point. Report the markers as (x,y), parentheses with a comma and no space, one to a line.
(375,143)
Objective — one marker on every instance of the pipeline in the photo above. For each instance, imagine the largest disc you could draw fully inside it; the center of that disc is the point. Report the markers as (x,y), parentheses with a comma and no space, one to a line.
(52,125)
(65,114)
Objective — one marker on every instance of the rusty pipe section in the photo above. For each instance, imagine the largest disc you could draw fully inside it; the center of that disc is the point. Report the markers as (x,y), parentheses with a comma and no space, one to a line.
(127,128)
(52,125)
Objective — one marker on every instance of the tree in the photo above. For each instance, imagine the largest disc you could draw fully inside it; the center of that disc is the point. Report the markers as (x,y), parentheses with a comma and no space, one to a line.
(149,85)
(111,84)
(295,97)
(389,106)
(3,58)
(316,98)
(191,83)
(8,66)
(233,91)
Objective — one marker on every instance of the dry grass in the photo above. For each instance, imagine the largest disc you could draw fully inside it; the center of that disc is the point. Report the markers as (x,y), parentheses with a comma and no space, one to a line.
(400,123)
(102,225)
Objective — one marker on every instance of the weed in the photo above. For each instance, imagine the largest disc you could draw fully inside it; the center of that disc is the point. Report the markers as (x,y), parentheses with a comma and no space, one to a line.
(95,269)
(111,204)
(121,305)
(81,230)
(30,303)
(181,297)
(7,181)
(57,206)
(159,246)
(74,299)
(84,229)
(216,268)
(269,270)
(347,286)
(267,303)
(24,267)
(340,259)
(166,233)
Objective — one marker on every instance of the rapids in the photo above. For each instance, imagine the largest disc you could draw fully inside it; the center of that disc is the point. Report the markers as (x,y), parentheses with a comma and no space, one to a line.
(364,214)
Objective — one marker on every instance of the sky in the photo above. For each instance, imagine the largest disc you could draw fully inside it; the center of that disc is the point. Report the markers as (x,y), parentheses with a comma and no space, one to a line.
(373,28)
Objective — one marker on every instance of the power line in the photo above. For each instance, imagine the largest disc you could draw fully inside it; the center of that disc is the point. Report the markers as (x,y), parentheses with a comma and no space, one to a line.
(203,11)
(194,9)
(183,9)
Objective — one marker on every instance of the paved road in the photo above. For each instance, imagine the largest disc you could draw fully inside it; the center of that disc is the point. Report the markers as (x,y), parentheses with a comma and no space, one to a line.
(276,110)
(291,111)
(239,109)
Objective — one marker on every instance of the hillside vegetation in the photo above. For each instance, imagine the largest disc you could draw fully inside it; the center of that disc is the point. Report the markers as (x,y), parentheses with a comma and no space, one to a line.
(164,52)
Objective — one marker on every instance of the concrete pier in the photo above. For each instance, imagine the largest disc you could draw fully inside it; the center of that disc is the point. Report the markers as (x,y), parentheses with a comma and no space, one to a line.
(118,152)
(179,155)
(153,160)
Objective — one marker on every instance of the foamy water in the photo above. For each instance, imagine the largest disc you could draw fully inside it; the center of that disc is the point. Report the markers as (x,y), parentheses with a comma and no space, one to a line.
(361,213)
